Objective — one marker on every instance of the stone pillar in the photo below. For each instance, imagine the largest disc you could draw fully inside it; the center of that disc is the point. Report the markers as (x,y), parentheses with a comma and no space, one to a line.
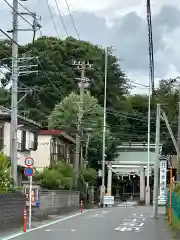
(142,183)
(109,184)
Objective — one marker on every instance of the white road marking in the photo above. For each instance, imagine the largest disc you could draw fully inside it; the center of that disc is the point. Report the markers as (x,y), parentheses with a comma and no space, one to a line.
(98,214)
(57,230)
(43,226)
(104,212)
(132,224)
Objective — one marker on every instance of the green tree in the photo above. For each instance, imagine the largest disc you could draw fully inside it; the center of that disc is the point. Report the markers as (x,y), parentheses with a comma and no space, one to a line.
(59,176)
(56,76)
(90,176)
(5,98)
(65,114)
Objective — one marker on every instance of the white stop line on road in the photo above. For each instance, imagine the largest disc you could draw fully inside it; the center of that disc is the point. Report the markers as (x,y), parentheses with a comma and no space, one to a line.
(135,224)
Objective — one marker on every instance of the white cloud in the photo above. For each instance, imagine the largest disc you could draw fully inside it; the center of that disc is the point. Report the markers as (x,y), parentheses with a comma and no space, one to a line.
(167,57)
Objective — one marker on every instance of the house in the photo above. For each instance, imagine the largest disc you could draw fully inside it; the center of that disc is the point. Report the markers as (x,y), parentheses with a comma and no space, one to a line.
(53,146)
(27,137)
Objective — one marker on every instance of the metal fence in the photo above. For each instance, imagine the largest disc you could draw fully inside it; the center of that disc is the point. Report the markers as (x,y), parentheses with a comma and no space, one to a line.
(175,204)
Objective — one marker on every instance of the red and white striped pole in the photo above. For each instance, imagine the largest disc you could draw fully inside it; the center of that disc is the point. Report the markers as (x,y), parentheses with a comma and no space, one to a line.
(81,206)
(25,215)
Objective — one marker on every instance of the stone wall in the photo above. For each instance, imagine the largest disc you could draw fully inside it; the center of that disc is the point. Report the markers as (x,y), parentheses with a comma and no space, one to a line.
(11,210)
(56,202)
(51,203)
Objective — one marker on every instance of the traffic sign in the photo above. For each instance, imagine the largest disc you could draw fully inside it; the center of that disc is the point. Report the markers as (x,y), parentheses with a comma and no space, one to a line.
(29,161)
(29,172)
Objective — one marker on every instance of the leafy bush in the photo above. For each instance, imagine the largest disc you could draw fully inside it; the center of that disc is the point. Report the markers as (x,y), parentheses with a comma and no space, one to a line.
(6,184)
(59,176)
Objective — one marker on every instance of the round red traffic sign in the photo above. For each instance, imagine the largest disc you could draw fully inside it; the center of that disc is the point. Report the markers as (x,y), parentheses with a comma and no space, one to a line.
(29,161)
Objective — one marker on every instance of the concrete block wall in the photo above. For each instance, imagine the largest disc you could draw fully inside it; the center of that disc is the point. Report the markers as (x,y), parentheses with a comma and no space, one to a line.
(11,210)
(56,202)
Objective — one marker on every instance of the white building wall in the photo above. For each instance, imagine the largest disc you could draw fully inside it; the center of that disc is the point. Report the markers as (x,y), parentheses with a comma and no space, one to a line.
(21,155)
(42,155)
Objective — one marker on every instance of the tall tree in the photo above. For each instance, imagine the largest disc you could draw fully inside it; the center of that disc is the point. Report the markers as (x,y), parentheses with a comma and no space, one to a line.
(57,77)
(65,116)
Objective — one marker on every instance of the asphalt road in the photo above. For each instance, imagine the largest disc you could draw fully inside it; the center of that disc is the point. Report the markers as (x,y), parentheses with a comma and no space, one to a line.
(103,224)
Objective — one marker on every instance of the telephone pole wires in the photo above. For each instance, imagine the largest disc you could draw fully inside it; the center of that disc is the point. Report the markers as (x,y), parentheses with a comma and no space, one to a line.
(83,83)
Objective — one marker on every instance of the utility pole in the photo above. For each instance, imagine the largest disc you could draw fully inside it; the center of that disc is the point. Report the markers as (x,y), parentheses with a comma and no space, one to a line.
(147,197)
(14,98)
(178,141)
(156,170)
(151,85)
(16,71)
(104,126)
(82,66)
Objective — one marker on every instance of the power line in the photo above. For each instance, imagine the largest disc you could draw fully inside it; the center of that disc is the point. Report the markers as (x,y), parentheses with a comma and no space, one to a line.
(60,16)
(72,19)
(8,37)
(18,13)
(54,86)
(140,84)
(24,7)
(51,15)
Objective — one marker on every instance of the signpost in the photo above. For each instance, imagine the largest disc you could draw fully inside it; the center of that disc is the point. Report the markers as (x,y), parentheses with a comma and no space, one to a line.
(29,172)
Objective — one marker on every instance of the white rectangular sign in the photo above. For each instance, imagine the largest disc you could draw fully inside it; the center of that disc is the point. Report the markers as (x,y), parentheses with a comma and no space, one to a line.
(108,200)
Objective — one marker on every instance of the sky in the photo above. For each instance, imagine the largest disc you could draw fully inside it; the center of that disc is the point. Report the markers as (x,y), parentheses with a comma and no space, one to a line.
(121,24)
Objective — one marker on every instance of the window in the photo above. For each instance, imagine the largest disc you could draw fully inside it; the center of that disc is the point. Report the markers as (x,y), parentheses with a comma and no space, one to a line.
(27,140)
(23,140)
(58,150)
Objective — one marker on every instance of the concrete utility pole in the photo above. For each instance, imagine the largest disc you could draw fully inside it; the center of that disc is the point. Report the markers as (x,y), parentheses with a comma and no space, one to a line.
(82,66)
(151,85)
(147,196)
(104,126)
(156,170)
(14,99)
(178,141)
(16,71)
